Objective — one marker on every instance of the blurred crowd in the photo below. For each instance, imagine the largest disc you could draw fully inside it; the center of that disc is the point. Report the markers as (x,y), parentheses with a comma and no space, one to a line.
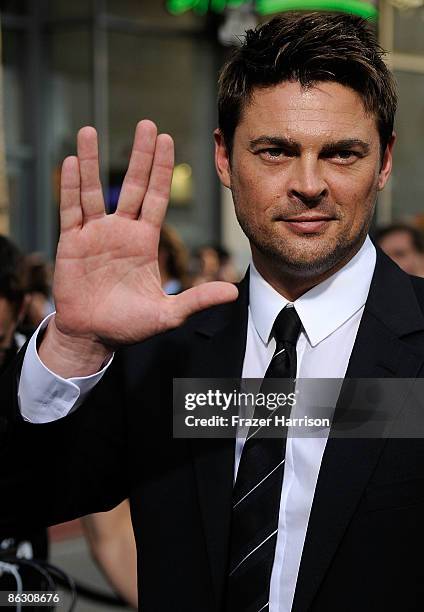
(180,269)
(26,299)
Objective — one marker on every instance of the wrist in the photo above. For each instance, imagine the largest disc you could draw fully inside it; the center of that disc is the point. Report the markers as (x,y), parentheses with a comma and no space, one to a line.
(71,356)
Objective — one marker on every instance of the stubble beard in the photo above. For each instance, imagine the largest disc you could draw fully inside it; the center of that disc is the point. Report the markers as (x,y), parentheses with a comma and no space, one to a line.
(314,260)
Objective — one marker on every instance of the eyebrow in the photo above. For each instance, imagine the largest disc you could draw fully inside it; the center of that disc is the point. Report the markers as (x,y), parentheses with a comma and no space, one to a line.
(348,143)
(277,141)
(292,145)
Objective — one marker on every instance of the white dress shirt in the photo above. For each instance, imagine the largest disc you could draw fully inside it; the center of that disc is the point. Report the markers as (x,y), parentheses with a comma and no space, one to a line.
(330,314)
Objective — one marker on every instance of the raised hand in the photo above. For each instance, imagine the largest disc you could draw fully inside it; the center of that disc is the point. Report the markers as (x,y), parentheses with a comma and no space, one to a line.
(107,287)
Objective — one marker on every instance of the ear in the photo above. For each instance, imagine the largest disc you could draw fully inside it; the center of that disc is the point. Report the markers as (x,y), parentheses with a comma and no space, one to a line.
(386,166)
(222,159)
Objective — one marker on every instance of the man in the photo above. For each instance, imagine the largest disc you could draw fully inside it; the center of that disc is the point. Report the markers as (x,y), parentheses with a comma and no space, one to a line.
(404,244)
(306,110)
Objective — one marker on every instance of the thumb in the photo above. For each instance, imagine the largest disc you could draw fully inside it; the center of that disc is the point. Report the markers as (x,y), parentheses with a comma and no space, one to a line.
(204,296)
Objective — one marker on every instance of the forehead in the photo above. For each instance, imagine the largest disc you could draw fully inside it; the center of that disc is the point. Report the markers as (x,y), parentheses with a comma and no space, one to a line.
(327,110)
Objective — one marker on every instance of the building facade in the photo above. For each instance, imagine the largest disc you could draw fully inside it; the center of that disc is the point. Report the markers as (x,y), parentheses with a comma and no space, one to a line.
(109,63)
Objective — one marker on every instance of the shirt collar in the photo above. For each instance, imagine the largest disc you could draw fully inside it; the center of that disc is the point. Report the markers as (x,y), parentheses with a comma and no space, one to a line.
(322,309)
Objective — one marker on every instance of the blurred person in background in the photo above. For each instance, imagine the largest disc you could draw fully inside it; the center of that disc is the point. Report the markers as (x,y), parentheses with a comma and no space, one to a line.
(227,269)
(13,286)
(208,262)
(404,244)
(173,261)
(40,301)
(112,545)
(13,279)
(213,263)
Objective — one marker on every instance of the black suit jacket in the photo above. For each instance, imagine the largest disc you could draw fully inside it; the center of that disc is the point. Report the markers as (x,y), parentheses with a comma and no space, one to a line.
(365,539)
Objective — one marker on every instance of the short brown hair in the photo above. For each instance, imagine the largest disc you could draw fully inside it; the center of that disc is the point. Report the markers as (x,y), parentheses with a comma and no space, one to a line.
(177,254)
(416,236)
(309,48)
(13,274)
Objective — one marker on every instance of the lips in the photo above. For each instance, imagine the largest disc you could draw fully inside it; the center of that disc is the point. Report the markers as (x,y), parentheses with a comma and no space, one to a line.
(308,225)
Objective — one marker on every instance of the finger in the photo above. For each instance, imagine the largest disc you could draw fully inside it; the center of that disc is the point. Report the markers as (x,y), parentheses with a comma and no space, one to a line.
(159,188)
(137,177)
(91,190)
(201,297)
(70,196)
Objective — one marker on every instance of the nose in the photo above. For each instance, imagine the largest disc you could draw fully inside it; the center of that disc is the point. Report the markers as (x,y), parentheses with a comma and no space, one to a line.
(306,182)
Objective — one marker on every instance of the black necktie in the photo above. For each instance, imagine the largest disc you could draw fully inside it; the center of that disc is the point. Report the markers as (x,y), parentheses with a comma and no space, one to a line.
(257,490)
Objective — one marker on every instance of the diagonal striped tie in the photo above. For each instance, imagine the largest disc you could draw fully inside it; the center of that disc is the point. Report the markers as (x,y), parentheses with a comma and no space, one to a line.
(257,490)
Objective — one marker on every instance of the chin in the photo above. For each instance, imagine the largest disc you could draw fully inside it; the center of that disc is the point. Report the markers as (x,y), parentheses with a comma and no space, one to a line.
(307,268)
(309,261)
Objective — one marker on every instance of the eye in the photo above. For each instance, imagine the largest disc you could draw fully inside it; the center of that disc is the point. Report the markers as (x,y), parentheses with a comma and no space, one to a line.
(345,155)
(274,153)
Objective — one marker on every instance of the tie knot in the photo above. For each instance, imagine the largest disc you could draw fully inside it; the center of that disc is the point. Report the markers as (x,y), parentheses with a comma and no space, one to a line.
(287,326)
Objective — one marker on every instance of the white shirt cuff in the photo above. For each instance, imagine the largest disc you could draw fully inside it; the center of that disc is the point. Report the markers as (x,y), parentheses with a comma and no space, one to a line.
(44,396)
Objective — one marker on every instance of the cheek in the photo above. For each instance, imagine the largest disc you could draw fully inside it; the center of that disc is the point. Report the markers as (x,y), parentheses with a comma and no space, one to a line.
(248,196)
(257,192)
(355,195)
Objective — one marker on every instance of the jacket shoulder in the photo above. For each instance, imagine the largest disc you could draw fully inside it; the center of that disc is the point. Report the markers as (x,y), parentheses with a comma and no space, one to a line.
(418,286)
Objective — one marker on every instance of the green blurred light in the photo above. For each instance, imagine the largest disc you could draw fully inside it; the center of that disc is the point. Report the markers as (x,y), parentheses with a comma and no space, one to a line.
(177,7)
(357,7)
(268,7)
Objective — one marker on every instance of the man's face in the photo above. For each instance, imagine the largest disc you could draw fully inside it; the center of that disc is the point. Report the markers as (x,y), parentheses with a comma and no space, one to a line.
(8,322)
(304,174)
(399,246)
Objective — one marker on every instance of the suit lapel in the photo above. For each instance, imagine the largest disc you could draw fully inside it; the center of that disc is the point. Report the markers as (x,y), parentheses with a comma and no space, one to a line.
(220,344)
(391,312)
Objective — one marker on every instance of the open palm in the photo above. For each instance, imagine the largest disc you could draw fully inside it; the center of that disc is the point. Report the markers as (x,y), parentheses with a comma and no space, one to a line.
(107,286)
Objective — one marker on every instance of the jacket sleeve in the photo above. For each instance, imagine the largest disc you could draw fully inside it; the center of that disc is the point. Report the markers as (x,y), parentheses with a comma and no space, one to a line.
(54,472)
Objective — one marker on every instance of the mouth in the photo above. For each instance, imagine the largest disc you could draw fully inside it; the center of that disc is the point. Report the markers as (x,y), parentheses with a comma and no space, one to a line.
(308,224)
